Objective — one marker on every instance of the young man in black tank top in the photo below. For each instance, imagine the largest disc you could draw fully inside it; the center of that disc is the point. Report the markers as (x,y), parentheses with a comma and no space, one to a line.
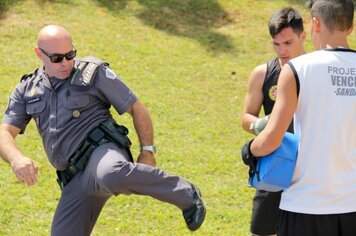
(288,36)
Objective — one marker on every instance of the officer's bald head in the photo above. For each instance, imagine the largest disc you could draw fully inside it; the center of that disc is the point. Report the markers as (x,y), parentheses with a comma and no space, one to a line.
(54,40)
(51,35)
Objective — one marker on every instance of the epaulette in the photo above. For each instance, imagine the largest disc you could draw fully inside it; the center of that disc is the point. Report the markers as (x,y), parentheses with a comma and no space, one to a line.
(26,76)
(85,70)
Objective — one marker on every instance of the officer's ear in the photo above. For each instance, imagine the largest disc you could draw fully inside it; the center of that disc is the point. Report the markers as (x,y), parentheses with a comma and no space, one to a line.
(38,53)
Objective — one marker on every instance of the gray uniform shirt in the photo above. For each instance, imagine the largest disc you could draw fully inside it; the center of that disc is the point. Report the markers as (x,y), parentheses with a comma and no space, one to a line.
(65,113)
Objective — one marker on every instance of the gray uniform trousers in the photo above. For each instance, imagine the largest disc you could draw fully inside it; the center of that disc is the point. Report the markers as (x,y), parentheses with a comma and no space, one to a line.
(108,173)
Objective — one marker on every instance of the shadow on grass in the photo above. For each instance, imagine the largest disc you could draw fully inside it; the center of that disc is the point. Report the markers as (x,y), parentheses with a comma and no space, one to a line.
(303,2)
(6,5)
(196,19)
(300,2)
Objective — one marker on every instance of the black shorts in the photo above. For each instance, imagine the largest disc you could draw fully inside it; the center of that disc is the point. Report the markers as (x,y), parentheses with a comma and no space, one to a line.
(264,212)
(296,224)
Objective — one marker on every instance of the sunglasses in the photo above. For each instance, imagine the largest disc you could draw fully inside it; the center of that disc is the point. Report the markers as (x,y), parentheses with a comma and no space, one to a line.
(57,58)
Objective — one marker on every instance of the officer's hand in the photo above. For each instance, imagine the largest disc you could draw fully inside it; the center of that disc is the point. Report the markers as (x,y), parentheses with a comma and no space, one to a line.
(247,157)
(146,157)
(25,170)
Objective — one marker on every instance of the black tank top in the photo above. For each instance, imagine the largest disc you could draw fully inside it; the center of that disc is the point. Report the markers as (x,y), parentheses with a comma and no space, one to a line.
(269,87)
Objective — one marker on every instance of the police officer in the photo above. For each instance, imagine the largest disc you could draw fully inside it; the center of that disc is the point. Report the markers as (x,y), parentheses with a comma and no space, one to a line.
(69,100)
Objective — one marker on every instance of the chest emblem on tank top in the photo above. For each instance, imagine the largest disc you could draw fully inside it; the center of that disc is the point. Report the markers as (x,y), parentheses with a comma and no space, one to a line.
(272,93)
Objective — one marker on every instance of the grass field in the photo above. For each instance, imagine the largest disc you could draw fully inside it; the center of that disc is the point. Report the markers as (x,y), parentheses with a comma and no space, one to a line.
(188,61)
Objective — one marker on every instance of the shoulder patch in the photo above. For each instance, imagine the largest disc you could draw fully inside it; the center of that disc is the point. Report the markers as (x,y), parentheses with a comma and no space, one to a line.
(110,73)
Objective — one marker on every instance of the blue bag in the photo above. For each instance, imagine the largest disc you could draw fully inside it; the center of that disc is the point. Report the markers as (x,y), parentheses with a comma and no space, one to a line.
(274,172)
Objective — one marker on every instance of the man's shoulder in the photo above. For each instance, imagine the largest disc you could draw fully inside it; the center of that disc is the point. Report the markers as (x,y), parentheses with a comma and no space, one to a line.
(94,60)
(86,70)
(308,56)
(29,76)
(259,71)
(272,62)
(257,77)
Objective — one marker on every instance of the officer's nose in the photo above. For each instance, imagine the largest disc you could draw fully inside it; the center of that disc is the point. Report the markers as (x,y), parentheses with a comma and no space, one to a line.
(65,62)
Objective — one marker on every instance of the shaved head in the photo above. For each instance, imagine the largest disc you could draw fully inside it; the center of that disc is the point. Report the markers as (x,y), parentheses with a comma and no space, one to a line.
(55,40)
(53,34)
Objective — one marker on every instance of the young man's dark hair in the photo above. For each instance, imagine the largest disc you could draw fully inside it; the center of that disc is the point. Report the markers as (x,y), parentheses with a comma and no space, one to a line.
(286,17)
(310,3)
(336,14)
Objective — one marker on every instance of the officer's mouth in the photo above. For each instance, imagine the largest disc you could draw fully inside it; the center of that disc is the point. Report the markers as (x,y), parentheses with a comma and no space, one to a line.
(65,71)
(284,58)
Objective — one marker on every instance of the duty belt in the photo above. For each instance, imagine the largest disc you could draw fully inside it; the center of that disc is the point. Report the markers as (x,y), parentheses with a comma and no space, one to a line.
(107,131)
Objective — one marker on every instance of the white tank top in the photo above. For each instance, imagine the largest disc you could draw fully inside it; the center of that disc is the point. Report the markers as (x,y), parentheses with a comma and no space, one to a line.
(324,181)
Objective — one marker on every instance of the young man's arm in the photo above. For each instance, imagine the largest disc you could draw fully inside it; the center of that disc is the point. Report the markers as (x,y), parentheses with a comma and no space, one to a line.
(282,114)
(23,167)
(254,97)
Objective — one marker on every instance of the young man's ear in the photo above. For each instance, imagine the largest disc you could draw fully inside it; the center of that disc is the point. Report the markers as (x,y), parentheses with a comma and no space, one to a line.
(349,31)
(303,36)
(316,25)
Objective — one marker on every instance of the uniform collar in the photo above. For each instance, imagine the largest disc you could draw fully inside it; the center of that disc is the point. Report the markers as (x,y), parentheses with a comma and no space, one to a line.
(42,76)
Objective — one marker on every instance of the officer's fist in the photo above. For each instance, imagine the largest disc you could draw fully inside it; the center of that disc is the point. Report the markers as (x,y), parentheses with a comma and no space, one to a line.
(147,158)
(25,170)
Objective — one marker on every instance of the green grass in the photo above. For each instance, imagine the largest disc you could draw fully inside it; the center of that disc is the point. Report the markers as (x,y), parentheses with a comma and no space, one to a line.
(188,61)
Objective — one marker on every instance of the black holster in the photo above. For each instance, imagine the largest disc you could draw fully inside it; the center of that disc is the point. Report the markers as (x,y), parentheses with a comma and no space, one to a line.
(107,131)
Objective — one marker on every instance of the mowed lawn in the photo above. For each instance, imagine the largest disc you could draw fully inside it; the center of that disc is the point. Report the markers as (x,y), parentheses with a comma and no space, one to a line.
(188,61)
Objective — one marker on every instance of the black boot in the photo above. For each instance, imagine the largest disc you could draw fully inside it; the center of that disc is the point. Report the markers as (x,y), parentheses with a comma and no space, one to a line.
(194,216)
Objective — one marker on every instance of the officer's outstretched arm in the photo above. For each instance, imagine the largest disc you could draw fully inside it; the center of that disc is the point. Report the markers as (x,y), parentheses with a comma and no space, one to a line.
(23,167)
(144,129)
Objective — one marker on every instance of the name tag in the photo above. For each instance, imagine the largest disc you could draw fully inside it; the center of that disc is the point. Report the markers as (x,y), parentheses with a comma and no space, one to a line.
(33,100)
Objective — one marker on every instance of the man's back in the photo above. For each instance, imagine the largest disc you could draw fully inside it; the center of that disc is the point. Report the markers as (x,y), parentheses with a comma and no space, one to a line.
(325,119)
